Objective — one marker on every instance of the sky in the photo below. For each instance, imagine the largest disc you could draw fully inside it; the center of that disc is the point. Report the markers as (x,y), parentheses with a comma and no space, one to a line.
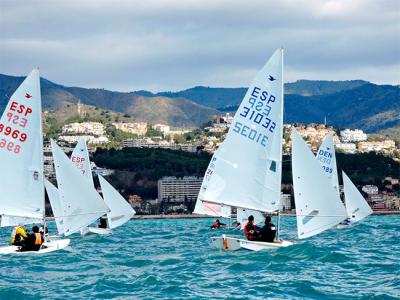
(169,45)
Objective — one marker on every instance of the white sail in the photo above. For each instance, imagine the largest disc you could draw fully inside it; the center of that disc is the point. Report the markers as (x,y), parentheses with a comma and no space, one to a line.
(80,157)
(80,202)
(120,210)
(21,155)
(356,206)
(212,209)
(246,170)
(243,215)
(317,206)
(327,158)
(56,207)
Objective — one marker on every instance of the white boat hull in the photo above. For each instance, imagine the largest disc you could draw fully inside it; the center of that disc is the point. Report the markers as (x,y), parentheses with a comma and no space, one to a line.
(96,230)
(48,247)
(233,243)
(343,226)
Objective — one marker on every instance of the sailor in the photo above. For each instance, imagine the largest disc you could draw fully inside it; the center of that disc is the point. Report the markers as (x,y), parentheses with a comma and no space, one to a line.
(18,235)
(217,224)
(103,222)
(34,241)
(251,230)
(238,226)
(268,231)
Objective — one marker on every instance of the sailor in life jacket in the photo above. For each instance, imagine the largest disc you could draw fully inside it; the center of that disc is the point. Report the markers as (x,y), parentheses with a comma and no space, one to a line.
(251,230)
(34,241)
(18,235)
(217,224)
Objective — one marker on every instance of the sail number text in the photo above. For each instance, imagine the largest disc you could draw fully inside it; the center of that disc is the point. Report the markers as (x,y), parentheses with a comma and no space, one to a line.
(16,116)
(257,109)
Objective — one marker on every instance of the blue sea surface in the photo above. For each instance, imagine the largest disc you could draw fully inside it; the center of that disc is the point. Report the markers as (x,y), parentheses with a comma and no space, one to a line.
(174,259)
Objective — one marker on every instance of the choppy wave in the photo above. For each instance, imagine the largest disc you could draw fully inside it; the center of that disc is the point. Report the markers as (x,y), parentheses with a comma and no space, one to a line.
(174,259)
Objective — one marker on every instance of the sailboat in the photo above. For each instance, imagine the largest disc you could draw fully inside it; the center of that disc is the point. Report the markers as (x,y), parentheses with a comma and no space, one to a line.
(356,206)
(22,198)
(120,210)
(245,171)
(77,203)
(318,207)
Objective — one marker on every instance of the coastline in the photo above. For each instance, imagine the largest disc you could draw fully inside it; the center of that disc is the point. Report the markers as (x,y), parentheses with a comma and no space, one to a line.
(190,216)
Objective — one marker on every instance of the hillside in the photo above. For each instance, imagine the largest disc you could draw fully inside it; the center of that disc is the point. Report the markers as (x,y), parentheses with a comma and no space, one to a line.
(222,97)
(352,104)
(175,112)
(369,107)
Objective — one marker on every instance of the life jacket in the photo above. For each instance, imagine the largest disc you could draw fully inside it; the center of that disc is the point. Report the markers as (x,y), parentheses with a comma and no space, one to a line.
(216,225)
(247,228)
(38,240)
(16,234)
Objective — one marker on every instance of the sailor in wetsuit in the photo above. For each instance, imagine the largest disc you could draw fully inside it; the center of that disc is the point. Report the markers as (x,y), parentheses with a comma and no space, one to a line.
(268,231)
(103,222)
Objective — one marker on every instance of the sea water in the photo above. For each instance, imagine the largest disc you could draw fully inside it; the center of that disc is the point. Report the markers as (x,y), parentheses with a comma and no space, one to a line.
(174,259)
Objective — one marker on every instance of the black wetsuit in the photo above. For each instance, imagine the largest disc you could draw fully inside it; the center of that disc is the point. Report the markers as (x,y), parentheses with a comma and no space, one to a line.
(103,223)
(29,243)
(268,233)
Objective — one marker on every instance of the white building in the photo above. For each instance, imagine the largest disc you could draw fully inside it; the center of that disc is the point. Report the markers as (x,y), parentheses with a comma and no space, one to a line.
(150,143)
(286,202)
(178,190)
(139,128)
(90,139)
(346,147)
(92,128)
(387,145)
(370,189)
(356,135)
(165,129)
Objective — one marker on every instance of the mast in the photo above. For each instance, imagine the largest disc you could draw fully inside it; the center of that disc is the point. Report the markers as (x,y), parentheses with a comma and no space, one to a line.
(42,158)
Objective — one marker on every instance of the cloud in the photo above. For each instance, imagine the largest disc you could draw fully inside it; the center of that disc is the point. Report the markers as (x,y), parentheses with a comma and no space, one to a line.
(174,44)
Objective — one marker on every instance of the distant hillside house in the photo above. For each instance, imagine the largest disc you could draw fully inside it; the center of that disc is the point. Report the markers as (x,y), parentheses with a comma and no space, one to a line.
(91,128)
(316,133)
(139,128)
(349,135)
(387,145)
(151,143)
(347,147)
(370,189)
(72,139)
(179,190)
(163,128)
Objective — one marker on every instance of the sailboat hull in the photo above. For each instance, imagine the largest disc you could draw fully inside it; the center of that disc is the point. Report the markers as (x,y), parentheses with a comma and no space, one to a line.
(233,243)
(49,246)
(344,226)
(96,230)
